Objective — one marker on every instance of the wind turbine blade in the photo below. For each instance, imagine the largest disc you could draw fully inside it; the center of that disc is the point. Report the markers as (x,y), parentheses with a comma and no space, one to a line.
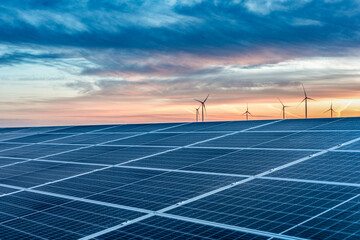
(250,114)
(328,110)
(280,101)
(206,98)
(311,99)
(198,101)
(300,103)
(205,110)
(304,89)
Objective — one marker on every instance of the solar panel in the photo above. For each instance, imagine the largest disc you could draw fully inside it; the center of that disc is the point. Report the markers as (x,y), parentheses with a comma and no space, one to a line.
(283,179)
(167,228)
(106,154)
(267,205)
(298,124)
(37,138)
(35,151)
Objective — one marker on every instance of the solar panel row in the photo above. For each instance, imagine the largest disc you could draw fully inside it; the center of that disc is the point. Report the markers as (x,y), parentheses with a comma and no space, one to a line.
(216,180)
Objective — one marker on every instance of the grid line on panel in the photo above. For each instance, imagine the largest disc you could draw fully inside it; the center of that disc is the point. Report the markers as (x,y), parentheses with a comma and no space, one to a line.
(350,151)
(310,130)
(313,181)
(257,148)
(80,199)
(231,227)
(162,211)
(45,210)
(10,193)
(25,233)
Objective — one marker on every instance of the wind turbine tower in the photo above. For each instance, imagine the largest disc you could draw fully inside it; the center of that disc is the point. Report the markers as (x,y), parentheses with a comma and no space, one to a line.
(283,108)
(202,107)
(331,110)
(247,113)
(306,98)
(197,113)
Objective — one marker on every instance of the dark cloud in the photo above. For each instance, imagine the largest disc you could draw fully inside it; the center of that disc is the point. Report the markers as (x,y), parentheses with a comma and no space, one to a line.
(198,27)
(23,57)
(179,47)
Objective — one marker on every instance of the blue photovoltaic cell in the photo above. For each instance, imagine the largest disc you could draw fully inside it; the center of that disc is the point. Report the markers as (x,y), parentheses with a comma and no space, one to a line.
(143,139)
(140,127)
(92,138)
(5,190)
(195,126)
(238,125)
(82,129)
(244,139)
(248,162)
(342,222)
(343,124)
(4,146)
(5,161)
(38,138)
(145,189)
(267,205)
(8,136)
(8,130)
(33,173)
(312,140)
(331,166)
(296,124)
(166,139)
(50,217)
(180,158)
(36,151)
(107,154)
(184,139)
(34,130)
(166,228)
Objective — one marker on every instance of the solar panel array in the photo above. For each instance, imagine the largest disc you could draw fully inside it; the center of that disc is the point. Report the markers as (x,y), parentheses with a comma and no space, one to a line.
(279,179)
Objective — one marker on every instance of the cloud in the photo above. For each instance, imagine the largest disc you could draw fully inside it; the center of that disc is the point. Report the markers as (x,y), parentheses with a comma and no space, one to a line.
(120,50)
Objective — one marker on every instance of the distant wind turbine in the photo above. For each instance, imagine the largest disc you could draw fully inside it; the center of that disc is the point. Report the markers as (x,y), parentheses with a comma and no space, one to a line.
(306,98)
(331,110)
(202,107)
(283,108)
(197,113)
(247,113)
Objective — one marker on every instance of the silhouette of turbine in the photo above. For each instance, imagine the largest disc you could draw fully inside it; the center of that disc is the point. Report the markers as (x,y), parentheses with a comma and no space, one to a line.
(202,107)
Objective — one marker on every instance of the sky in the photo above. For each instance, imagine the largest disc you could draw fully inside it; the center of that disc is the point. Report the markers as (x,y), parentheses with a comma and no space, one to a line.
(71,62)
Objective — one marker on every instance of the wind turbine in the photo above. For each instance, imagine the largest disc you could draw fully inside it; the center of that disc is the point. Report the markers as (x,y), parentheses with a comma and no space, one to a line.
(306,98)
(283,108)
(202,107)
(197,113)
(247,112)
(331,110)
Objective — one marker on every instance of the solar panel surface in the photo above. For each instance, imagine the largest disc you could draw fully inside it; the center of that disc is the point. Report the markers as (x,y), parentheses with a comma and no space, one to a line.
(273,179)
